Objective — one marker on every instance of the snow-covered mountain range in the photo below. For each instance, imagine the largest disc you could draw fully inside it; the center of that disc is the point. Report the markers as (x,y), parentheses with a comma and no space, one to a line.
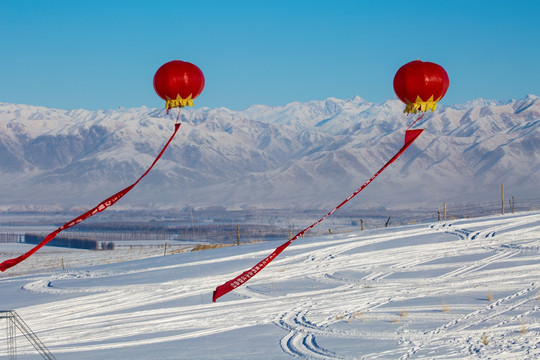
(302,155)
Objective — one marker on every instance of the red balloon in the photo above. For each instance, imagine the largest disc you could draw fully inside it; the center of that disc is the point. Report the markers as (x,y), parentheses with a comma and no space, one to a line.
(420,85)
(178,83)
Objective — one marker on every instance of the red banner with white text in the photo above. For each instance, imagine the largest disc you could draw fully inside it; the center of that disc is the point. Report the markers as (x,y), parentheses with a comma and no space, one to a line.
(410,137)
(100,207)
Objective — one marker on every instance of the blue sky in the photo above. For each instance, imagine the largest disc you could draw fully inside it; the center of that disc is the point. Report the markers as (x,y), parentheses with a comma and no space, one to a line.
(103,54)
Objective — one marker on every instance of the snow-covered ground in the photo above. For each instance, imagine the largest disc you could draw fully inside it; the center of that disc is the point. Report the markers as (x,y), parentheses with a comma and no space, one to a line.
(460,289)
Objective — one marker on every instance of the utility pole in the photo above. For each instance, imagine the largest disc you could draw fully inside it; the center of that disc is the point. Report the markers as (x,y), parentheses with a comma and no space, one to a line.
(445,211)
(512,204)
(502,197)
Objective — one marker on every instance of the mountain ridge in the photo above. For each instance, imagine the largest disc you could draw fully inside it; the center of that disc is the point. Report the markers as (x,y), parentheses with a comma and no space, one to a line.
(301,155)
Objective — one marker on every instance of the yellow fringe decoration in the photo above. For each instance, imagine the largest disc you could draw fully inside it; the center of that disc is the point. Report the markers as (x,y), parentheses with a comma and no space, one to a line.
(178,102)
(420,105)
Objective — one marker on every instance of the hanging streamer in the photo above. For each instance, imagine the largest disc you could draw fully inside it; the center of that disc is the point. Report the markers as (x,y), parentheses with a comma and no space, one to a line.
(99,208)
(410,137)
(414,122)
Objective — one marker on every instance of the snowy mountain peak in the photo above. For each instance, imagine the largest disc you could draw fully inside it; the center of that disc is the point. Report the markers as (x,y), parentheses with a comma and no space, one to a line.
(477,103)
(300,155)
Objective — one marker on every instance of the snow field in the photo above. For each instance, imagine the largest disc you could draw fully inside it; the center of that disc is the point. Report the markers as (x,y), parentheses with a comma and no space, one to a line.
(467,289)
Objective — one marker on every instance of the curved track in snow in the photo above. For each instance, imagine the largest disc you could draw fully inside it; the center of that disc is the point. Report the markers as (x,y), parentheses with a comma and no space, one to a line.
(436,291)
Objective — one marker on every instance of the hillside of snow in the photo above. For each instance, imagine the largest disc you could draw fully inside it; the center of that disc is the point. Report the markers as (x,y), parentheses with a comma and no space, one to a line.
(460,289)
(298,156)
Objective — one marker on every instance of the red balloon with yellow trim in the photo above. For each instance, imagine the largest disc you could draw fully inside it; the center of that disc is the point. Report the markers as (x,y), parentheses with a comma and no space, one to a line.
(178,83)
(420,85)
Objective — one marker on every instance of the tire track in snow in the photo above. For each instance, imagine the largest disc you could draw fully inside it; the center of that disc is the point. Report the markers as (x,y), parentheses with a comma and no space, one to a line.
(468,269)
(142,312)
(300,340)
(492,227)
(295,343)
(476,318)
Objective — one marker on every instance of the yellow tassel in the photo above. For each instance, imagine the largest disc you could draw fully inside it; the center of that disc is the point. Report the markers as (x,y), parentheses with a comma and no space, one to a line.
(179,102)
(420,105)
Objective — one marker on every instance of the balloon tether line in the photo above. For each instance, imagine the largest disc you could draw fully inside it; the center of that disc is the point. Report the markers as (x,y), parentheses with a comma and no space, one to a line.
(178,117)
(414,122)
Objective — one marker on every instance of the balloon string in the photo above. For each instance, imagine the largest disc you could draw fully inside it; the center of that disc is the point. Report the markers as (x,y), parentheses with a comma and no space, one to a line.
(178,116)
(414,122)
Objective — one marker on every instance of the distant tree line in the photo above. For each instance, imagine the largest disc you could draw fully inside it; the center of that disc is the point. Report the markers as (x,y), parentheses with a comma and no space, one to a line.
(10,238)
(107,245)
(155,231)
(123,226)
(68,242)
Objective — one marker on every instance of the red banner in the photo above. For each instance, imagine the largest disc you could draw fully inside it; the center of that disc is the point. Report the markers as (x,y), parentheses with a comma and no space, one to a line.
(410,137)
(100,207)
